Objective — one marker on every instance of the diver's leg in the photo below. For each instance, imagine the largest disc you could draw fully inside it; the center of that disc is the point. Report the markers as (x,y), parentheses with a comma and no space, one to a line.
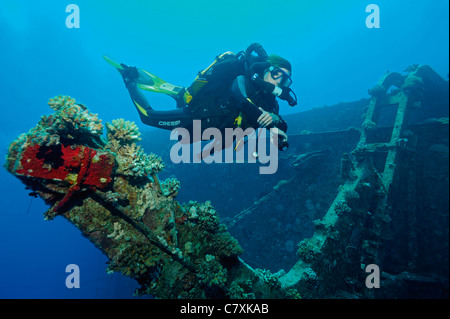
(161,119)
(152,83)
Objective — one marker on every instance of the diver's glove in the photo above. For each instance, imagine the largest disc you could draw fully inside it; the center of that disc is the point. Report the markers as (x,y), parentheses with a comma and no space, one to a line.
(129,73)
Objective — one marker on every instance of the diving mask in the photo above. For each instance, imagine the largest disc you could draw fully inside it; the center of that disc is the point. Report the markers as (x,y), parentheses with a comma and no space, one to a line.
(278,74)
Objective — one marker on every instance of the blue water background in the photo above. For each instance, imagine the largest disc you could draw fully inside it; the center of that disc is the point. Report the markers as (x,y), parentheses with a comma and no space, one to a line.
(335,58)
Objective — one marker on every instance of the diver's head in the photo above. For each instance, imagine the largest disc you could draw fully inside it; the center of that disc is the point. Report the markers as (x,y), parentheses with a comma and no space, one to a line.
(279,71)
(273,75)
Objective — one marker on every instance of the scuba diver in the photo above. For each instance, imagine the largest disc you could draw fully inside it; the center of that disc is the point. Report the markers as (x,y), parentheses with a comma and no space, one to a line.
(236,90)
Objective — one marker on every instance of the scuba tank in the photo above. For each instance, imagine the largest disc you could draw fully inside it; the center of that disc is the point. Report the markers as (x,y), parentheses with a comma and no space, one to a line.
(231,64)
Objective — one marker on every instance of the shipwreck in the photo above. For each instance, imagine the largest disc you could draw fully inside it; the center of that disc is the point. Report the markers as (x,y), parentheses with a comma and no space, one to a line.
(370,193)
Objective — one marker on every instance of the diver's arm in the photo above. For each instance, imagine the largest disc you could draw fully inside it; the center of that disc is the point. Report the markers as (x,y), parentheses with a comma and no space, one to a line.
(268,119)
(252,111)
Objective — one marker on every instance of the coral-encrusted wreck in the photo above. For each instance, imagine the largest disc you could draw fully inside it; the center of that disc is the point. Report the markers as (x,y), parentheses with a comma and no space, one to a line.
(110,190)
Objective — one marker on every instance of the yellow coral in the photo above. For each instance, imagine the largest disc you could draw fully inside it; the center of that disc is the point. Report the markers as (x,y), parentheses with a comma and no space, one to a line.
(125,132)
(117,233)
(60,101)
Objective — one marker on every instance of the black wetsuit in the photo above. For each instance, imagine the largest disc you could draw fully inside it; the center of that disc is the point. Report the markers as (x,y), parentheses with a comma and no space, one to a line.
(217,104)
